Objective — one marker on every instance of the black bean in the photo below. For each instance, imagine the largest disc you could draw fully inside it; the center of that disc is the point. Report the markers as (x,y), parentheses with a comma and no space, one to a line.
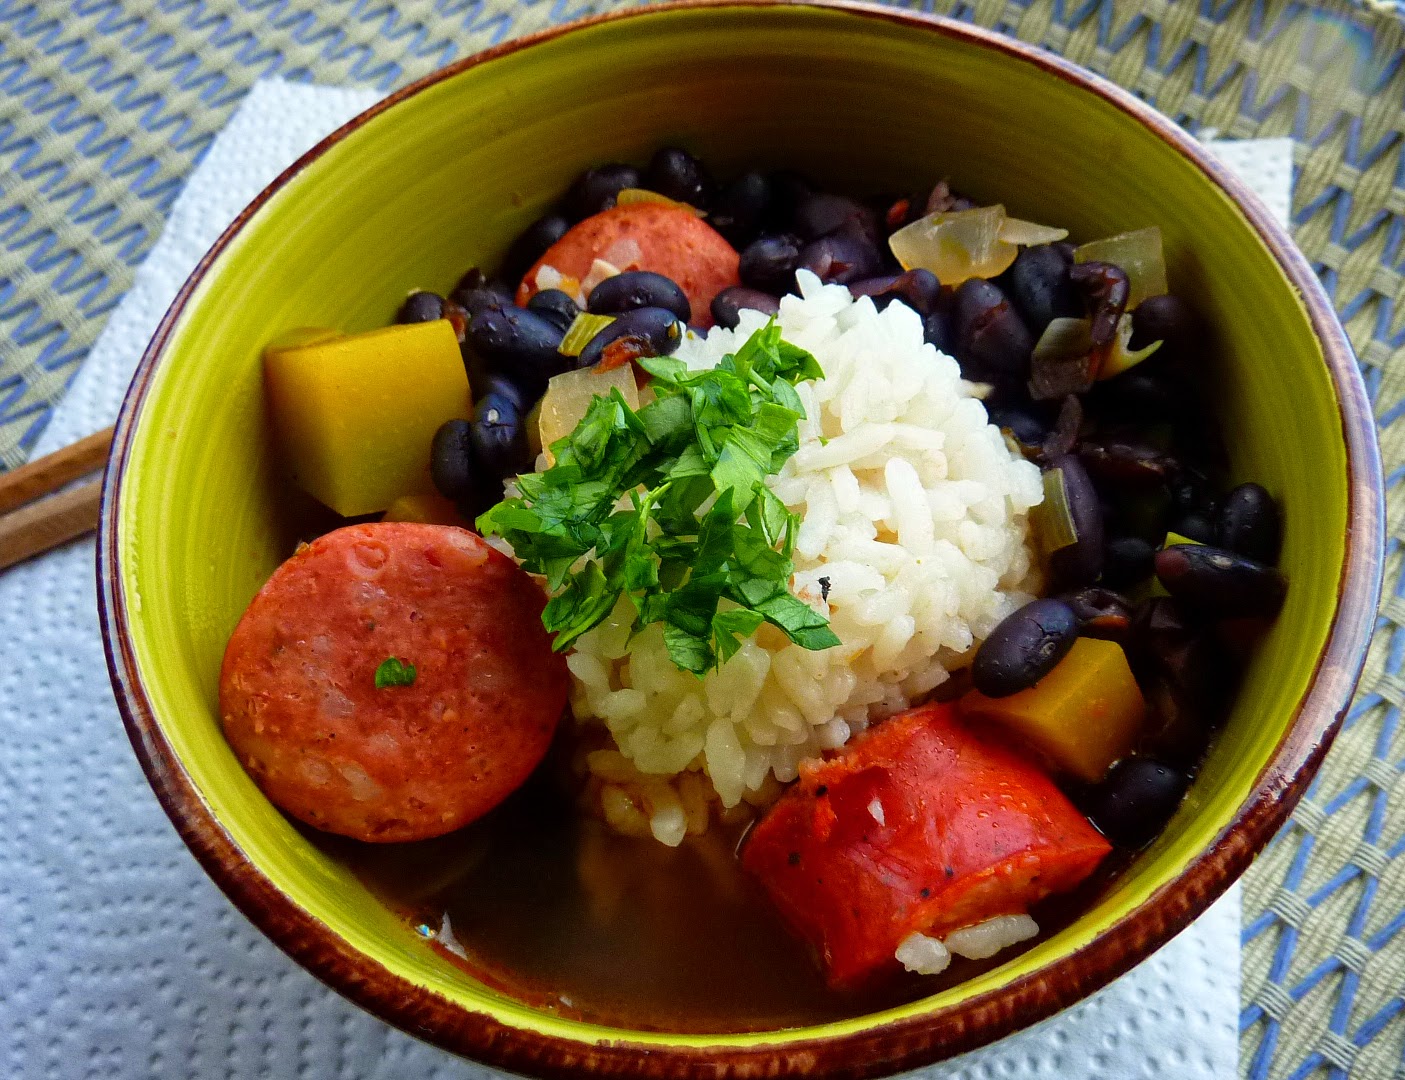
(1101,613)
(421,307)
(992,343)
(1167,319)
(638,289)
(821,214)
(1081,562)
(937,330)
(1198,525)
(518,343)
(1028,424)
(768,264)
(1136,799)
(532,243)
(555,306)
(1067,428)
(1220,583)
(1192,493)
(1039,286)
(451,460)
(1176,732)
(845,255)
(1249,523)
(1106,288)
(1122,463)
(595,189)
(919,289)
(1024,647)
(788,188)
(477,295)
(648,331)
(1199,671)
(1143,512)
(499,437)
(1143,394)
(495,382)
(741,208)
(1127,560)
(729,302)
(679,175)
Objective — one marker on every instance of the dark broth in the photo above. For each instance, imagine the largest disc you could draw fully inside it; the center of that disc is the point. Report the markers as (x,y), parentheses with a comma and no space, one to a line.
(551,907)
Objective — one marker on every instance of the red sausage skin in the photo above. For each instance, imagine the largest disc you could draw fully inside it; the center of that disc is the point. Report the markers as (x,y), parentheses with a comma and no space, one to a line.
(298,698)
(968,831)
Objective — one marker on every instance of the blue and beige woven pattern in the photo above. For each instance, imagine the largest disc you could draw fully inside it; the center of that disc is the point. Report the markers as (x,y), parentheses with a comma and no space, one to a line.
(107,105)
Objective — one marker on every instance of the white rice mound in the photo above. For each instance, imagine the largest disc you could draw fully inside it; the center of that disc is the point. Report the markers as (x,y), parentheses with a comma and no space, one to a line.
(913,509)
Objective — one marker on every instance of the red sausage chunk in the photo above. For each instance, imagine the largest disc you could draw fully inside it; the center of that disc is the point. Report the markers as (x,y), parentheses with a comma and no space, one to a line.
(671,240)
(298,693)
(916,826)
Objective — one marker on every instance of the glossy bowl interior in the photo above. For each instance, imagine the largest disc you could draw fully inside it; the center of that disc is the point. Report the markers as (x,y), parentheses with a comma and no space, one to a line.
(443,179)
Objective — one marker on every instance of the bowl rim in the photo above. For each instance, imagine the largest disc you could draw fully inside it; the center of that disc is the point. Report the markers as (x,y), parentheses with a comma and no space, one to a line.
(885,1048)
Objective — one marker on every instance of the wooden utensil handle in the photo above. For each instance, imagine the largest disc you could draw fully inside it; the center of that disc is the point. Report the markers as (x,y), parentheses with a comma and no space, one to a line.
(49,522)
(49,473)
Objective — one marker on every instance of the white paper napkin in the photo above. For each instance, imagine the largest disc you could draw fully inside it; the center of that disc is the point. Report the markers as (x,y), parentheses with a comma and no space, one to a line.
(120,959)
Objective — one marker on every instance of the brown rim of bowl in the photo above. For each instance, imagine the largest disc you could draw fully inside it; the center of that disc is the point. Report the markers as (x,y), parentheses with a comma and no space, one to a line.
(890,1047)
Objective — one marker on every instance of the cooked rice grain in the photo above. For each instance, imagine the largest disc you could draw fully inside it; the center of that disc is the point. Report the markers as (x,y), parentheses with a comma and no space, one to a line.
(913,521)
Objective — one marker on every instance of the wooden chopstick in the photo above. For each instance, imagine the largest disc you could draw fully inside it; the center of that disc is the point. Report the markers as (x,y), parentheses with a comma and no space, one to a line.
(31,523)
(49,522)
(51,472)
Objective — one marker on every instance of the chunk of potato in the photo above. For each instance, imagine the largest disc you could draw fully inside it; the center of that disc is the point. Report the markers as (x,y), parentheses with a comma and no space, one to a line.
(356,414)
(1082,716)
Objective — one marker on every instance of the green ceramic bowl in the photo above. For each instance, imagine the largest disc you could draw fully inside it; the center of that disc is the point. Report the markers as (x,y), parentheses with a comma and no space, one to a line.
(442,175)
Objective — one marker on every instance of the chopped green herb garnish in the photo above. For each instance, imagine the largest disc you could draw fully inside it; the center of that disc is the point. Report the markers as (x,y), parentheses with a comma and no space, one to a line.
(701,544)
(393,672)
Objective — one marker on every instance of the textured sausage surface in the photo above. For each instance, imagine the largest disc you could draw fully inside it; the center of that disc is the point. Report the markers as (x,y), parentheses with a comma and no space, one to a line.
(671,241)
(917,826)
(298,695)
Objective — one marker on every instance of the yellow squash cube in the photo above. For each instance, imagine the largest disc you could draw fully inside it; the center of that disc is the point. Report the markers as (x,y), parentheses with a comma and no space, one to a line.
(356,414)
(1082,716)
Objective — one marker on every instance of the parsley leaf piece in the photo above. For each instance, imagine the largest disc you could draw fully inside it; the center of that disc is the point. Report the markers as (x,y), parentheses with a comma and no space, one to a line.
(394,672)
(688,651)
(668,507)
(730,628)
(580,606)
(802,624)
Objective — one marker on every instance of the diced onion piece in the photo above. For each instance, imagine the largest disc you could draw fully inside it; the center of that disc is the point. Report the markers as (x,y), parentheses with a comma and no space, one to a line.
(922,955)
(1139,254)
(569,395)
(640,195)
(985,939)
(1172,539)
(1052,519)
(1030,233)
(579,333)
(956,246)
(1121,356)
(1061,364)
(1065,337)
(624,253)
(534,429)
(600,270)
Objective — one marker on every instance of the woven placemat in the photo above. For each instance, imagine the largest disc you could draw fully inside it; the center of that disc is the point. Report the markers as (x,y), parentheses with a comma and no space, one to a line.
(108,105)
